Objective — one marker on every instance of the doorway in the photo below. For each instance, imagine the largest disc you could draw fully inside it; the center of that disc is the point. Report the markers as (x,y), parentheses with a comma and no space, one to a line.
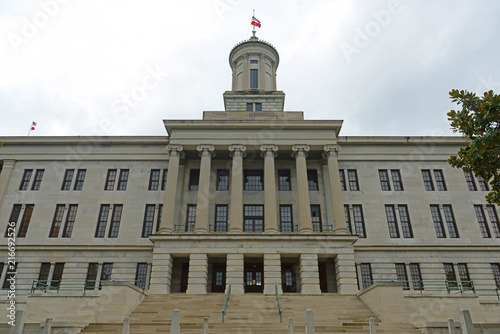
(288,277)
(254,275)
(218,277)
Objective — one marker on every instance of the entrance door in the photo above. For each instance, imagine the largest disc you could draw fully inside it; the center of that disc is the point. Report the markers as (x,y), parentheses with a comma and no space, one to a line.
(218,277)
(184,277)
(323,285)
(288,279)
(254,278)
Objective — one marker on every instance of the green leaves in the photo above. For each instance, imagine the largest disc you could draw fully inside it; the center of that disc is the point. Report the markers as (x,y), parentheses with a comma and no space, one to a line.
(479,123)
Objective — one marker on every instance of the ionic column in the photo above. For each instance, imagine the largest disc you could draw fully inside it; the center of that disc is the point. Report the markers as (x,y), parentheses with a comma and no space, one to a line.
(198,274)
(270,212)
(202,205)
(331,153)
(300,154)
(246,72)
(262,71)
(167,220)
(235,81)
(236,207)
(5,174)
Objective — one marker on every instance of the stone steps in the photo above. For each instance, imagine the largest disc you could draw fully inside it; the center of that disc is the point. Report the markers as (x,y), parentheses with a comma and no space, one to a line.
(252,314)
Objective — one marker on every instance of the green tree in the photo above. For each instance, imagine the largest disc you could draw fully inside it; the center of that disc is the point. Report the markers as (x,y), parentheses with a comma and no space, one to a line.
(479,123)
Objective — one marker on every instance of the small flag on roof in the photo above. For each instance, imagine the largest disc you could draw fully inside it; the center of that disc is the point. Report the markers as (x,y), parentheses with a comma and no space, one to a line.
(255,22)
(33,126)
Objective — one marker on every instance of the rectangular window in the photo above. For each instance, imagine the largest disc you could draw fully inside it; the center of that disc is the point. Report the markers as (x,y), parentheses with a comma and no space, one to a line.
(384,180)
(57,221)
(495,268)
(391,221)
(312,179)
(102,221)
(471,184)
(492,213)
(342,180)
(70,221)
(23,228)
(258,106)
(55,282)
(11,273)
(426,174)
(249,106)
(154,179)
(14,217)
(106,272)
(449,273)
(194,179)
(397,180)
(253,219)
(481,219)
(463,272)
(158,220)
(366,275)
(149,216)
(141,274)
(254,180)
(43,276)
(190,218)
(110,179)
(164,179)
(68,178)
(450,221)
(284,179)
(348,218)
(254,61)
(122,182)
(254,79)
(438,221)
(416,276)
(115,221)
(440,183)
(80,178)
(405,221)
(286,221)
(359,221)
(482,184)
(316,218)
(352,175)
(402,275)
(222,179)
(38,179)
(220,218)
(25,182)
(91,278)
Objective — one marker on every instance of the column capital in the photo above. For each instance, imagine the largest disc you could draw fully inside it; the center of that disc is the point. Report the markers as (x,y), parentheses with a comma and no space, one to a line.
(331,151)
(300,150)
(269,151)
(175,150)
(237,150)
(206,150)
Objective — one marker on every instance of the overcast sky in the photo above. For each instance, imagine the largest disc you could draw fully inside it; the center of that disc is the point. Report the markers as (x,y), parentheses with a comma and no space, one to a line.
(85,67)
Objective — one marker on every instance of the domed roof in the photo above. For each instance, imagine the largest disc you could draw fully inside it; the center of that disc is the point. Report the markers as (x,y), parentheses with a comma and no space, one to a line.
(256,44)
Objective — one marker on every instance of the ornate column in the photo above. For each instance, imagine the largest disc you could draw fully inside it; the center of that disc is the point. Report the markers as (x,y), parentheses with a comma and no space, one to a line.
(246,72)
(202,205)
(273,75)
(331,153)
(270,212)
(167,221)
(262,71)
(300,154)
(235,83)
(236,207)
(5,174)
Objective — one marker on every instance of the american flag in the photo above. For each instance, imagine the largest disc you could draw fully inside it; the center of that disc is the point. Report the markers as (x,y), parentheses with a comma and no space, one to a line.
(33,126)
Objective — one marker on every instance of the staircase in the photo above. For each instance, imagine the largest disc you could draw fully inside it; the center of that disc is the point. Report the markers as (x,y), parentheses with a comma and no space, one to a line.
(252,314)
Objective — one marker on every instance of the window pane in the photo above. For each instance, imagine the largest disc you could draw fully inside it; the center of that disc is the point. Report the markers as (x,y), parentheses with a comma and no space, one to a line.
(492,213)
(122,183)
(482,184)
(26,179)
(253,218)
(316,218)
(222,180)
(23,229)
(396,180)
(102,221)
(194,179)
(254,180)
(249,106)
(154,179)
(57,221)
(449,272)
(469,178)
(43,276)
(110,179)
(286,222)
(391,221)
(312,179)
(70,221)
(405,221)
(402,275)
(68,178)
(254,78)
(258,106)
(384,180)
(164,179)
(190,218)
(14,217)
(347,218)
(342,180)
(158,220)
(284,180)
(366,275)
(80,178)
(38,179)
(352,174)
(441,185)
(149,216)
(450,221)
(359,221)
(106,271)
(91,276)
(220,218)
(141,274)
(57,275)
(426,174)
(438,221)
(115,221)
(481,219)
(416,276)
(495,268)
(463,272)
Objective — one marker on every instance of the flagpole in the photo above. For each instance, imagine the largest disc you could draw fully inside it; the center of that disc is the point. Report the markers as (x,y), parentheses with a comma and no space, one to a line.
(30,129)
(253,31)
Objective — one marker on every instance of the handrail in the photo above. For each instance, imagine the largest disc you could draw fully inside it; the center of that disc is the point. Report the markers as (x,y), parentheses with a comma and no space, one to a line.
(226,303)
(278,300)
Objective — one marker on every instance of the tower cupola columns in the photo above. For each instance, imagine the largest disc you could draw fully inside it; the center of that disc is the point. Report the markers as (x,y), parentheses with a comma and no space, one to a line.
(253,63)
